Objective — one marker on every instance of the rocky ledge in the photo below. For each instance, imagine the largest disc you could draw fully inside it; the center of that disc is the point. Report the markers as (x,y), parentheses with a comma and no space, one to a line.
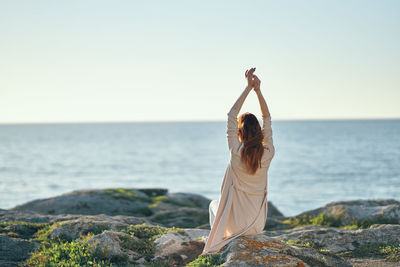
(152,227)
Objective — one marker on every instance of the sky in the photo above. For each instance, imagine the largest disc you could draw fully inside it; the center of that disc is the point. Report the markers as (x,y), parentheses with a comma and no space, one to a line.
(113,61)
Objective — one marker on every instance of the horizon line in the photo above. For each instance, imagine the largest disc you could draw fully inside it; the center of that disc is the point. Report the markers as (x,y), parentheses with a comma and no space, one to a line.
(186,121)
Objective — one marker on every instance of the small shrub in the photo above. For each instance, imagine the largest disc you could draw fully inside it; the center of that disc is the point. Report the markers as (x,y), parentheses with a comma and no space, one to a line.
(146,234)
(207,260)
(322,219)
(149,231)
(390,251)
(59,253)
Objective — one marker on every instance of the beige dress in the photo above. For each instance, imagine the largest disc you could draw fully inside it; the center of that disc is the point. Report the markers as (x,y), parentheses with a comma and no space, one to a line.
(242,206)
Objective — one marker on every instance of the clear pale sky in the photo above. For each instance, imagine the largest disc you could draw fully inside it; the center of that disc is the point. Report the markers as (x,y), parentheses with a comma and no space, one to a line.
(78,61)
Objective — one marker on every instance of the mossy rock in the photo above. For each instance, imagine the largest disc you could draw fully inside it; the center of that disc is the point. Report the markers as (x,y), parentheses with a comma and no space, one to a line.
(352,213)
(183,217)
(20,229)
(153,192)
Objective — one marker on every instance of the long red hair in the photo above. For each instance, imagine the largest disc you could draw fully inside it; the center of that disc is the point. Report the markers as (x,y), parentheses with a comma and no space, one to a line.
(252,137)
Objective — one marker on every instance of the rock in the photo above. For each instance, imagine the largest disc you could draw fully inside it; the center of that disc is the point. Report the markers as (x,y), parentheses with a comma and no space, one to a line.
(276,223)
(273,211)
(186,210)
(153,192)
(107,244)
(361,212)
(96,224)
(181,217)
(178,249)
(194,200)
(23,231)
(196,233)
(338,239)
(34,217)
(113,202)
(111,215)
(14,250)
(261,250)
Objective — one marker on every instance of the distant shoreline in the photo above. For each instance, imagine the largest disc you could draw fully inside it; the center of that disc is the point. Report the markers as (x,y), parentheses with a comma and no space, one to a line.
(195,121)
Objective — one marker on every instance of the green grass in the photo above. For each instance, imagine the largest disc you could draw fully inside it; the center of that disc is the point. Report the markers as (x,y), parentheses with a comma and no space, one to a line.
(206,261)
(62,252)
(59,253)
(389,251)
(323,219)
(124,193)
(148,231)
(145,245)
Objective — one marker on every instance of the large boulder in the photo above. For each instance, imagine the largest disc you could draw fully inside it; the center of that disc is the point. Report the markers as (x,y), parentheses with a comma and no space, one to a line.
(166,209)
(359,212)
(106,201)
(261,250)
(96,224)
(34,217)
(183,217)
(108,244)
(179,248)
(193,200)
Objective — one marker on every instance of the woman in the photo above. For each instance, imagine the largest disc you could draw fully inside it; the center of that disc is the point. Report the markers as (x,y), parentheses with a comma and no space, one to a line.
(242,207)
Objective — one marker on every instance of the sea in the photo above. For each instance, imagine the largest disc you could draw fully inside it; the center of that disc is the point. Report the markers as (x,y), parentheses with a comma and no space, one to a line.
(315,162)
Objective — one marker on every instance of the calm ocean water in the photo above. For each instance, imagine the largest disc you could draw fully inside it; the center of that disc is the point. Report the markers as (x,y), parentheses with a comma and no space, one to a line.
(316,162)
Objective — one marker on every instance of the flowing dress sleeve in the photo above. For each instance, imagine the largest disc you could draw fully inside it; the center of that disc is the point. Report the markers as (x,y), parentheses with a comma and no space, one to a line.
(232,130)
(267,130)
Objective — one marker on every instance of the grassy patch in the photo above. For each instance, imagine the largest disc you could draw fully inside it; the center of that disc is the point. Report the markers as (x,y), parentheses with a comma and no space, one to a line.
(123,193)
(207,260)
(146,235)
(323,219)
(148,231)
(59,253)
(390,252)
(20,229)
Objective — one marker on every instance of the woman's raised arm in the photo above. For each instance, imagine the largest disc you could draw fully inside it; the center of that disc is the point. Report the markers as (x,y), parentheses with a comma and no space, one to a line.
(266,116)
(263,104)
(232,125)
